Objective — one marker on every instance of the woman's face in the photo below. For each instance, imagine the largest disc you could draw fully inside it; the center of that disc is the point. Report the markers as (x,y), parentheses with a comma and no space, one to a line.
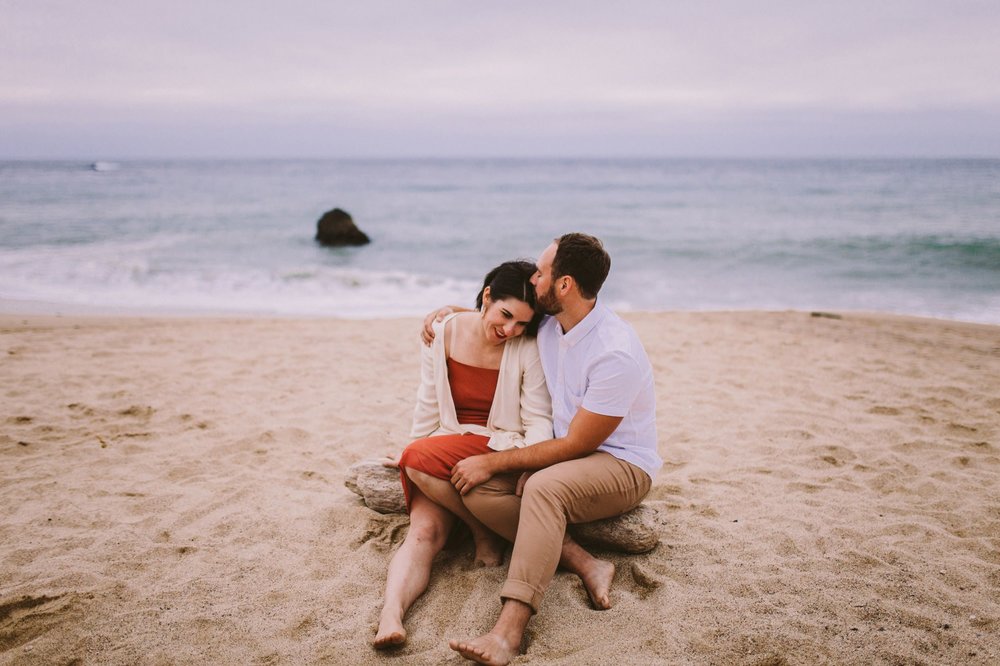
(505,318)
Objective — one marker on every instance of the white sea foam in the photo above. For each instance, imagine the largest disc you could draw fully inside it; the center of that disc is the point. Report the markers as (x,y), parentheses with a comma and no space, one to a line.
(106,278)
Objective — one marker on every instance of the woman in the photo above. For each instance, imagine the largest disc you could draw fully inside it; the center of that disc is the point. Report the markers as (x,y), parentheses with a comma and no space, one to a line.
(481,390)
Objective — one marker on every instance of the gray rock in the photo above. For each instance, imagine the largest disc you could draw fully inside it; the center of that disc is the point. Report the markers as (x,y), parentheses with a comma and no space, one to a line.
(378,486)
(336,227)
(632,532)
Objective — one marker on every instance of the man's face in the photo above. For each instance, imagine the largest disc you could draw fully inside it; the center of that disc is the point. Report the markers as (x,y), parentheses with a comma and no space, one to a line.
(545,290)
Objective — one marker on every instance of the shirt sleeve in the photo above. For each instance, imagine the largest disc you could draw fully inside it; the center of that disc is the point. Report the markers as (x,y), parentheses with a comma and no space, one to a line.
(613,383)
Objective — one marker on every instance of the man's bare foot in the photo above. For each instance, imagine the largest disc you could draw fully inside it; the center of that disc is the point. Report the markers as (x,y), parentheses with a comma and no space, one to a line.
(597,577)
(487,649)
(390,634)
(489,550)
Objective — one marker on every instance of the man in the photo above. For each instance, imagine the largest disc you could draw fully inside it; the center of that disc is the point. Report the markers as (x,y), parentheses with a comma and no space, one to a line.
(599,465)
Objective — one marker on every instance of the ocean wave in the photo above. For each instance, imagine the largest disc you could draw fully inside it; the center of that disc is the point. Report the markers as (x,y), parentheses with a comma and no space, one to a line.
(72,248)
(965,253)
(132,282)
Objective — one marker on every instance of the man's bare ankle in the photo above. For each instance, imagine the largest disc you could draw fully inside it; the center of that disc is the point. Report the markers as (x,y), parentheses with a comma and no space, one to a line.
(513,621)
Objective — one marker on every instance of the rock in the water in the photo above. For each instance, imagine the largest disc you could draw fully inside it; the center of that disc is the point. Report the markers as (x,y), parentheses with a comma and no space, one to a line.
(631,532)
(337,228)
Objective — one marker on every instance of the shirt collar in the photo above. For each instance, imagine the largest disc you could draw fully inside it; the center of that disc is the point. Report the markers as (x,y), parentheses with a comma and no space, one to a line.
(586,325)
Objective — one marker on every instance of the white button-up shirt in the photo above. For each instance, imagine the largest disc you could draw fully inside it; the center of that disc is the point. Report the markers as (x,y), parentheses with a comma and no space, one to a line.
(600,365)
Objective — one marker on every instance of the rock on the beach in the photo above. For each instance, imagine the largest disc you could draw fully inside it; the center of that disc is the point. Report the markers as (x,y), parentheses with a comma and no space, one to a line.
(378,486)
(631,532)
(336,227)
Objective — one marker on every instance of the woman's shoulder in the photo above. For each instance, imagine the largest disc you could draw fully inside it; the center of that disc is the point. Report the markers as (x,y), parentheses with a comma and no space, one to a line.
(443,322)
(439,327)
(524,347)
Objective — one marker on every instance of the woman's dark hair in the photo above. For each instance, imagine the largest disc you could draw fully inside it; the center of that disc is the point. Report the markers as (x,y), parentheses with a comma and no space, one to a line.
(512,279)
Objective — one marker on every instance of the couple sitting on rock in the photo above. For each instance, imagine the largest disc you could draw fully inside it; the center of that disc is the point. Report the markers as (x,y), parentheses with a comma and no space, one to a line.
(496,384)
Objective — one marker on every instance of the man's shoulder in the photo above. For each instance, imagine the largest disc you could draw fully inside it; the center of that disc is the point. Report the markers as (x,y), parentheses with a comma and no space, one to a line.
(616,333)
(618,345)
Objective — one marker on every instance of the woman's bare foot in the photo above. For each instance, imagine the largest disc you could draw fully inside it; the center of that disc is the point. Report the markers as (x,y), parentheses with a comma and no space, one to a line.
(487,649)
(597,576)
(489,549)
(390,634)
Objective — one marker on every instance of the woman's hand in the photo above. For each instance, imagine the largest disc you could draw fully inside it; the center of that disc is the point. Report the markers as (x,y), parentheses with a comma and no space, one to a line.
(470,472)
(427,333)
(390,461)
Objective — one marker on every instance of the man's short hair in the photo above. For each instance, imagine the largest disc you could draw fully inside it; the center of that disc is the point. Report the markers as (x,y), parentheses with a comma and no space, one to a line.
(583,258)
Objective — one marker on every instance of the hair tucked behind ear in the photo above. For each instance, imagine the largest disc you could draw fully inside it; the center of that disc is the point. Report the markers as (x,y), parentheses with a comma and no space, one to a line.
(512,279)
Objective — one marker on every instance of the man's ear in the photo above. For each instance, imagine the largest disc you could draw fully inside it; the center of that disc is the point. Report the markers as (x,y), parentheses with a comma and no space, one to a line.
(565,284)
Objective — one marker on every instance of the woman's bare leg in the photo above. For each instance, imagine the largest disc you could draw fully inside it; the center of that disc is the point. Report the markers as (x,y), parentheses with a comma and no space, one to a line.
(410,568)
(489,546)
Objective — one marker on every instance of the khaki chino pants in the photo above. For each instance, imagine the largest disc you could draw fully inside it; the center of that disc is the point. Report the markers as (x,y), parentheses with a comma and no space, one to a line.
(575,491)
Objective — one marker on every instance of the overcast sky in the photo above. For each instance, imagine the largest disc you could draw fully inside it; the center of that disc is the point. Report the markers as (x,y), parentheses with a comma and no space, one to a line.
(197,78)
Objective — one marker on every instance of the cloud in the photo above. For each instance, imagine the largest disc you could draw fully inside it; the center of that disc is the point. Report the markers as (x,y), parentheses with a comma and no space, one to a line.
(513,69)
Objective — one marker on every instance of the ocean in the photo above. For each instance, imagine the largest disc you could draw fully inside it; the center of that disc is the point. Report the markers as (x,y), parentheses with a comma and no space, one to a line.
(918,237)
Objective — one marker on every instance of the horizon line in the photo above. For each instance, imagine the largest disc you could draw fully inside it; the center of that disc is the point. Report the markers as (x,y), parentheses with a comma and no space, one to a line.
(511,158)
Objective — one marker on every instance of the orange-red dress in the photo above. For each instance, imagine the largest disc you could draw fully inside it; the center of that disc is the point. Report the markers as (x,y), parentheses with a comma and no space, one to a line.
(472,390)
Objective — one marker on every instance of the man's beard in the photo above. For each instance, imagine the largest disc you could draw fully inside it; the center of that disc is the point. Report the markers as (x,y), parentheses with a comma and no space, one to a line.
(548,302)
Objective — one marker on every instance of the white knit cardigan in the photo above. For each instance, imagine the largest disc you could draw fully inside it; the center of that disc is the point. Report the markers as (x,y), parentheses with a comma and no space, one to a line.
(521,413)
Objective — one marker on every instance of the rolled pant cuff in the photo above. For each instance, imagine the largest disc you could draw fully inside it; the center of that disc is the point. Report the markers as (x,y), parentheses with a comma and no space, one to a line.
(523,592)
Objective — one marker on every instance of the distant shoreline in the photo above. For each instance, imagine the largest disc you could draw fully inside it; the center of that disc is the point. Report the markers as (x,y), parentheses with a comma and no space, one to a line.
(14,308)
(87,161)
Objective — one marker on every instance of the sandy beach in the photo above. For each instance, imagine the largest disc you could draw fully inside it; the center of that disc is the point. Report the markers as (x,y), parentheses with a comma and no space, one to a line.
(172,492)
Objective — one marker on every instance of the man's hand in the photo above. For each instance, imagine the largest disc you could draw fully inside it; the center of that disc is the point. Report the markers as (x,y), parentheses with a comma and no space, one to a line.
(587,431)
(427,333)
(470,472)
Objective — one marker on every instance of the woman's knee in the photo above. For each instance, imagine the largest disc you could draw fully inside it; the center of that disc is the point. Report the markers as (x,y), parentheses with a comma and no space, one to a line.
(431,536)
(428,528)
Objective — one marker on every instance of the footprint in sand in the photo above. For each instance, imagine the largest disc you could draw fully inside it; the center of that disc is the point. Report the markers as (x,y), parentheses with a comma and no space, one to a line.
(25,619)
(382,533)
(138,411)
(645,582)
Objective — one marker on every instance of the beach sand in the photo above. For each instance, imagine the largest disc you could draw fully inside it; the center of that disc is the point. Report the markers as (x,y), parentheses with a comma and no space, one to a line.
(172,492)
